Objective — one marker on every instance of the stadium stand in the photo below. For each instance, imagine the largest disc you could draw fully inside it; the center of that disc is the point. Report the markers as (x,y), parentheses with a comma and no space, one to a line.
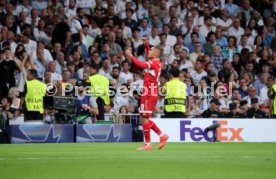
(219,45)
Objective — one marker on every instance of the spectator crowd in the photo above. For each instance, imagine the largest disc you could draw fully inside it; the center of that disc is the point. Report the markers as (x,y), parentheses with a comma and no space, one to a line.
(214,43)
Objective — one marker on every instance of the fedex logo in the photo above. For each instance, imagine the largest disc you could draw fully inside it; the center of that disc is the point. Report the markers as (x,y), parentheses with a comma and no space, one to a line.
(198,134)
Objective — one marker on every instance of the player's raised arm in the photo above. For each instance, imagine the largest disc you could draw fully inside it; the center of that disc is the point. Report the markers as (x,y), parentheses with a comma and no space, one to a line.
(137,62)
(146,43)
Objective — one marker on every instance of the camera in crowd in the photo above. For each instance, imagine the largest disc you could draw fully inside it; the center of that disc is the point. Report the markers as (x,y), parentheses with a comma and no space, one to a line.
(65,108)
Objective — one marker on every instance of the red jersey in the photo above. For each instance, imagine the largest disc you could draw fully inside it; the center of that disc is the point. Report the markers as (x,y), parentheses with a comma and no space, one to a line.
(149,96)
(151,75)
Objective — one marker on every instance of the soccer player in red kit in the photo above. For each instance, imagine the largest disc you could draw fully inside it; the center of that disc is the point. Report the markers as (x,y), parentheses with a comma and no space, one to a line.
(149,95)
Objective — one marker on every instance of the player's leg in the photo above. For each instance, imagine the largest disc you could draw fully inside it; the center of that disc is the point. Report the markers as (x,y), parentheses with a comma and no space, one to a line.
(146,130)
(163,137)
(144,117)
(151,107)
(146,111)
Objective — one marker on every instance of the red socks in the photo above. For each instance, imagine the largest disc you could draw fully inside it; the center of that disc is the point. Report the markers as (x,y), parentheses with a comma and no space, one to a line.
(146,128)
(155,128)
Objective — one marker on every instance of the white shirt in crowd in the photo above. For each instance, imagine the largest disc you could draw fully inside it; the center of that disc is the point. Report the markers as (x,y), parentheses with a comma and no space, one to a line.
(47,55)
(60,68)
(13,46)
(138,85)
(188,65)
(223,23)
(171,58)
(70,12)
(75,27)
(21,8)
(204,30)
(126,76)
(119,6)
(120,101)
(30,47)
(104,73)
(154,41)
(184,29)
(56,77)
(263,95)
(235,32)
(41,36)
(171,40)
(223,102)
(29,20)
(182,15)
(167,51)
(142,12)
(137,43)
(94,32)
(201,21)
(127,32)
(247,46)
(197,76)
(193,56)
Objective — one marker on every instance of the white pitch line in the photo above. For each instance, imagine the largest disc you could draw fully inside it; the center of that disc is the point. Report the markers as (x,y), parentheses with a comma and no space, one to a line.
(120,157)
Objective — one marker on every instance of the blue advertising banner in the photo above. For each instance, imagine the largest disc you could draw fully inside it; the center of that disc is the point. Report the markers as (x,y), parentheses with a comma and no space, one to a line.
(41,133)
(104,133)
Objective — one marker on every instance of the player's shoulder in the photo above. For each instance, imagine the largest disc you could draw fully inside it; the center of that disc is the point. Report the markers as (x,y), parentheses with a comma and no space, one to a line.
(155,62)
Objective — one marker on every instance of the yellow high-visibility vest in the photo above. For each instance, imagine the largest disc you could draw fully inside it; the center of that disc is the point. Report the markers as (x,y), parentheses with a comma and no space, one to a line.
(100,87)
(36,90)
(274,100)
(175,99)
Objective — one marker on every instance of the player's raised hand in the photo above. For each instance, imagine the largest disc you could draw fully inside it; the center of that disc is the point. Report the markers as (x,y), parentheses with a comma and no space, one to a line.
(128,52)
(145,40)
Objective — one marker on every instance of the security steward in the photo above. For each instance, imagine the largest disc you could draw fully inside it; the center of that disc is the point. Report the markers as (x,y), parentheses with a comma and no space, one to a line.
(32,97)
(99,90)
(175,98)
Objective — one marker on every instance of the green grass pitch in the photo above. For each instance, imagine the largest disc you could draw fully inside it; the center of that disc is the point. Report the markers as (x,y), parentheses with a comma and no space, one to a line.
(121,160)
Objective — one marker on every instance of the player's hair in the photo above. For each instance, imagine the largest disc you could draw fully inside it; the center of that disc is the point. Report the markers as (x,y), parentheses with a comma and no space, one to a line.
(158,51)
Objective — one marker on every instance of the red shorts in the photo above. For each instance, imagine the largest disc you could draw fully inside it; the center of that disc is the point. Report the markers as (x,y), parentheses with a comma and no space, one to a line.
(147,105)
